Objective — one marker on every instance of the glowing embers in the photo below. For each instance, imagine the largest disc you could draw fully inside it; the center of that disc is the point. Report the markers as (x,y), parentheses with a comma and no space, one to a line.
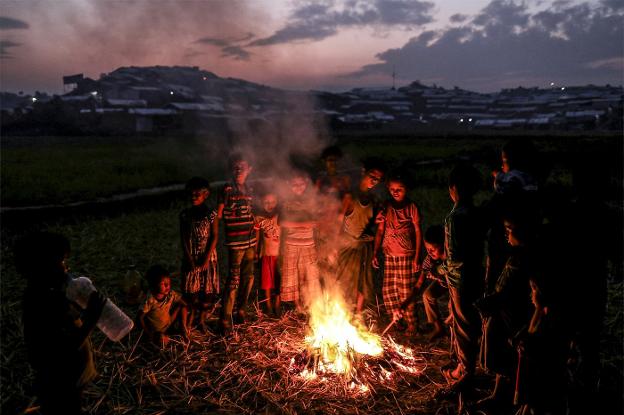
(340,349)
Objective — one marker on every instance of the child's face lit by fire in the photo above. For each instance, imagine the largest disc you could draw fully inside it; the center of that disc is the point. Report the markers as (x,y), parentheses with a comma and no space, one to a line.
(397,190)
(269,203)
(370,179)
(164,287)
(298,185)
(330,164)
(435,251)
(505,163)
(199,196)
(511,232)
(240,171)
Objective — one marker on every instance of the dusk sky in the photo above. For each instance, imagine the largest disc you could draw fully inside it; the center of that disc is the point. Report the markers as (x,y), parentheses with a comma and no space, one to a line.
(480,45)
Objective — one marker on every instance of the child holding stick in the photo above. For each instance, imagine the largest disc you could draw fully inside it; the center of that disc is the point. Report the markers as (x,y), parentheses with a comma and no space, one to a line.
(399,233)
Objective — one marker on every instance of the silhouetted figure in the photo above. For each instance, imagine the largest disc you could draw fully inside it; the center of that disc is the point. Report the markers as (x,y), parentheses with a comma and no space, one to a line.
(508,309)
(464,240)
(56,330)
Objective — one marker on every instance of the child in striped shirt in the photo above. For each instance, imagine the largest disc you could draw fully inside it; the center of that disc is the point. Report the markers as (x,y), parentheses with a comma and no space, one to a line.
(235,203)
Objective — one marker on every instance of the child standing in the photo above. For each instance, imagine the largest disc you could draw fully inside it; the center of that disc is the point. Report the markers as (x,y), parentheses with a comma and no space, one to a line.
(508,309)
(331,187)
(354,270)
(161,307)
(399,233)
(236,209)
(269,247)
(329,181)
(463,245)
(56,330)
(541,375)
(513,183)
(300,272)
(198,233)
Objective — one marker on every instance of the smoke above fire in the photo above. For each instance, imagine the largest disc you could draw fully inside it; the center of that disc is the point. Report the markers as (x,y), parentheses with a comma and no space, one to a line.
(287,145)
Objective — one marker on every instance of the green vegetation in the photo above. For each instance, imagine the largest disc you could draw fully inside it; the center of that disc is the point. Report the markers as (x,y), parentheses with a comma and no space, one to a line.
(38,171)
(65,171)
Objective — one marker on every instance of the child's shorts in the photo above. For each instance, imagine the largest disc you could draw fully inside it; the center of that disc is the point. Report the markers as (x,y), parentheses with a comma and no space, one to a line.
(269,273)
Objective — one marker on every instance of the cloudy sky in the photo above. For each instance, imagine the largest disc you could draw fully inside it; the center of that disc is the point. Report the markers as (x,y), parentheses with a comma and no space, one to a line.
(482,45)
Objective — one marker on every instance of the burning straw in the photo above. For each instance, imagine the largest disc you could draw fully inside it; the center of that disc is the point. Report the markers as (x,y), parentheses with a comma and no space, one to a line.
(261,368)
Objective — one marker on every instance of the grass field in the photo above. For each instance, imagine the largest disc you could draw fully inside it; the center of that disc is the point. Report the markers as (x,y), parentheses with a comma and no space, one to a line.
(105,247)
(37,171)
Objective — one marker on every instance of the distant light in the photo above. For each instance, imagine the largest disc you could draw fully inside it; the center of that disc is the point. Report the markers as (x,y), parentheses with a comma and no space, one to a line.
(461,120)
(552,84)
(469,119)
(205,78)
(94,93)
(563,88)
(170,92)
(34,99)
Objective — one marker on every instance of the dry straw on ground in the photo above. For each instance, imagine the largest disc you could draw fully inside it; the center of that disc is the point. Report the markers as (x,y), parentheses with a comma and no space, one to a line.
(257,370)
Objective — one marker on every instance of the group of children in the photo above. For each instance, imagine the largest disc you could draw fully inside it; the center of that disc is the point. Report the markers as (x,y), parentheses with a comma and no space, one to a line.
(311,236)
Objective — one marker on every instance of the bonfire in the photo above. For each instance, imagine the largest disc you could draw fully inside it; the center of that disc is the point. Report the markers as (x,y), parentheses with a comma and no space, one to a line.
(340,345)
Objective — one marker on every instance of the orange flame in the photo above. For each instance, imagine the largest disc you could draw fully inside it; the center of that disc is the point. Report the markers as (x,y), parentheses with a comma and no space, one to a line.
(336,339)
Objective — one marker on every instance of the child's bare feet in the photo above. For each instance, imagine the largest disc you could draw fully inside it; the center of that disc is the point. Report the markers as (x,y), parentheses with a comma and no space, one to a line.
(438,331)
(242,316)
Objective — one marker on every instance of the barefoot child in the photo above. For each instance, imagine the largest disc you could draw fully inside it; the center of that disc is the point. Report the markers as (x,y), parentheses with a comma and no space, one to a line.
(354,270)
(463,269)
(198,234)
(436,288)
(236,209)
(269,247)
(300,272)
(161,307)
(399,234)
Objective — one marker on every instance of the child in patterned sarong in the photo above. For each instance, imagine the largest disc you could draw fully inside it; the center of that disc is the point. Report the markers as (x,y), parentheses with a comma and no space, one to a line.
(300,273)
(198,233)
(399,234)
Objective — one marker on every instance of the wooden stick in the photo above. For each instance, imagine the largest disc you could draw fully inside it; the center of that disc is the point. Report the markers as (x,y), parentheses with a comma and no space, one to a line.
(388,327)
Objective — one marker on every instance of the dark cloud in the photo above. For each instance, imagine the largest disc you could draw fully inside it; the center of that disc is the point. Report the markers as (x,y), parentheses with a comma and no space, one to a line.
(296,32)
(317,21)
(502,13)
(458,18)
(230,47)
(613,4)
(505,45)
(11,23)
(235,52)
(213,41)
(4,46)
